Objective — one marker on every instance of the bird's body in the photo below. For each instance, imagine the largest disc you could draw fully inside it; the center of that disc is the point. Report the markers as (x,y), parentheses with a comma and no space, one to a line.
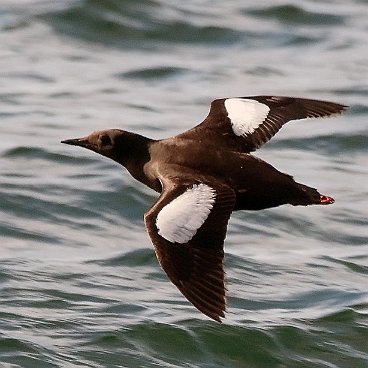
(256,183)
(203,175)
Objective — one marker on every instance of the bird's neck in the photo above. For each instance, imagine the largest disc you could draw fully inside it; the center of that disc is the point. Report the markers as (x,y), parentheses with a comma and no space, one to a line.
(135,154)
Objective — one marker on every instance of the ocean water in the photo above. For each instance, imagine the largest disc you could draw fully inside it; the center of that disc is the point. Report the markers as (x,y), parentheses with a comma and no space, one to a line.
(79,282)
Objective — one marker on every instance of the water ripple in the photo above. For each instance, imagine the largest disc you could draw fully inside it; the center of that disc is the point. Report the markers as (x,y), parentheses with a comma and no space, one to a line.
(294,14)
(80,282)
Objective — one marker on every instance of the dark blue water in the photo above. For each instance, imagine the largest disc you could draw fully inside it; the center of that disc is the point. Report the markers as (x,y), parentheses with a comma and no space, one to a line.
(79,282)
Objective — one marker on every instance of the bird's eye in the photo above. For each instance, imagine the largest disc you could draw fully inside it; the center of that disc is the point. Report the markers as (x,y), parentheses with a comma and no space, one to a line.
(105,140)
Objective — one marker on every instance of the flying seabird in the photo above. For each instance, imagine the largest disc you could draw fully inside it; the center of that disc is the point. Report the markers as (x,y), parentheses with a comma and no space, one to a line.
(203,175)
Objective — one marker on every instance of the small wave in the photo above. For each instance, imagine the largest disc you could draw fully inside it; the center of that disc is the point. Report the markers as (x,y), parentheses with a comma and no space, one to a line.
(133,258)
(352,314)
(153,73)
(326,144)
(37,153)
(297,15)
(353,266)
(126,23)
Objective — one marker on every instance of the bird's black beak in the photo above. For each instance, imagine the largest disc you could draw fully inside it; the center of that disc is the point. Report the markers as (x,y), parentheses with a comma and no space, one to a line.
(82,142)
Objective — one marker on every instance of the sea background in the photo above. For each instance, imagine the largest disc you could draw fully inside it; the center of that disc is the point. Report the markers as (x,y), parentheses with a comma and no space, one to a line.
(79,282)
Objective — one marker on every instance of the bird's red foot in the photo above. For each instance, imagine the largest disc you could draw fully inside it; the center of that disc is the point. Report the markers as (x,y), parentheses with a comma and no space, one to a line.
(326,200)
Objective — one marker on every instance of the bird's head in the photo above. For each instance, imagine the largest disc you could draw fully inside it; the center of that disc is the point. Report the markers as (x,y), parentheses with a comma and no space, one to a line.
(109,143)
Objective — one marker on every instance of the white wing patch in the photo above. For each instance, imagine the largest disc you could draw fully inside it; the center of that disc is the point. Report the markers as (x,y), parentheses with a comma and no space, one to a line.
(179,220)
(245,115)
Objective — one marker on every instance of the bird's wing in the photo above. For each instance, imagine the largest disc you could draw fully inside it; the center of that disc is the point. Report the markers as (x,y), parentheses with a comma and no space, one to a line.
(246,123)
(187,226)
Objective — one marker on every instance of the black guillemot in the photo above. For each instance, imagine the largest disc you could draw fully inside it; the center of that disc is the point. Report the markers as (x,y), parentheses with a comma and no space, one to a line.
(203,175)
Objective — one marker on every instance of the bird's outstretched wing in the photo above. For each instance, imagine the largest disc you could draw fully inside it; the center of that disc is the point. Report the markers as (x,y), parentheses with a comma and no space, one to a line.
(187,226)
(246,123)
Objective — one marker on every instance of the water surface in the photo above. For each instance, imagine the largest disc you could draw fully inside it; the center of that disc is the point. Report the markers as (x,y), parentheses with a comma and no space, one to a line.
(80,284)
